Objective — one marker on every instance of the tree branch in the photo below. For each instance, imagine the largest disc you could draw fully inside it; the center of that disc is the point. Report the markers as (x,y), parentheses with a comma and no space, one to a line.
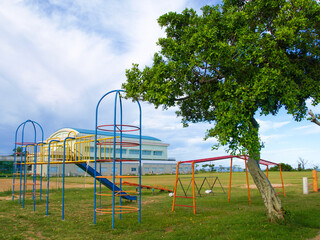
(181,99)
(203,80)
(314,118)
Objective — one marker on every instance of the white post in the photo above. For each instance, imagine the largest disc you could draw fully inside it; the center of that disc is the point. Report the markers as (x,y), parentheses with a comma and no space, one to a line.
(305,185)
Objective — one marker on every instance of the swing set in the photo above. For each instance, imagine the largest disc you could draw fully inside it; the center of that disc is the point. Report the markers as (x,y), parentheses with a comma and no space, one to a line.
(194,185)
(211,181)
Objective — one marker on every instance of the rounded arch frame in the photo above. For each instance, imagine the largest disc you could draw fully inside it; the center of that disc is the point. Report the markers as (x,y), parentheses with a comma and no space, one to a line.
(117,128)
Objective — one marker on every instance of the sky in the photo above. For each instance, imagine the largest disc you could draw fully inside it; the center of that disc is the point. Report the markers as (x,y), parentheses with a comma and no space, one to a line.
(59,57)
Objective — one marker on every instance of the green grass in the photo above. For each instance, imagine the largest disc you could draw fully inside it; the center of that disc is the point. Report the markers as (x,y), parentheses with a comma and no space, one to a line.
(215,218)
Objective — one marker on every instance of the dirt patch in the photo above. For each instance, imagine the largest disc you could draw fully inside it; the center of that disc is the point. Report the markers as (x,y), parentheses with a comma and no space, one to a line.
(146,202)
(6,185)
(152,200)
(6,198)
(253,186)
(317,237)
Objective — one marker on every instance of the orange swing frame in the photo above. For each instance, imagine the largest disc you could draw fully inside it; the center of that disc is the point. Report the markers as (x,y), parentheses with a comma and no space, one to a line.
(244,157)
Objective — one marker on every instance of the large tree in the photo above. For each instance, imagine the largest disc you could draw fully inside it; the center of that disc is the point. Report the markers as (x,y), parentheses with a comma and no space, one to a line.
(230,64)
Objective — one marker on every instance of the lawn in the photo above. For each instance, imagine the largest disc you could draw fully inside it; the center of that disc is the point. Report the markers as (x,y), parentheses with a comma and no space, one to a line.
(215,218)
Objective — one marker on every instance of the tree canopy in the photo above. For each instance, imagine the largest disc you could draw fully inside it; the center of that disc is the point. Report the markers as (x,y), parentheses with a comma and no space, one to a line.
(232,62)
(284,167)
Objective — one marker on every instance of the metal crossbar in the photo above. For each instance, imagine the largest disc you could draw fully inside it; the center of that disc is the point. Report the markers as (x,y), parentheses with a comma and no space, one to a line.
(205,179)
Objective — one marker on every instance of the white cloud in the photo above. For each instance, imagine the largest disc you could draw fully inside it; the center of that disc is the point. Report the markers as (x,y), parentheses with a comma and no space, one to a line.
(59,57)
(272,137)
(271,125)
(309,129)
(53,55)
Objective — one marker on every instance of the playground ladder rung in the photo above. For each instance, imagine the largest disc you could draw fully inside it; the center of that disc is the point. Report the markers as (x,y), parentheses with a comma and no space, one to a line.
(32,184)
(184,205)
(183,197)
(117,176)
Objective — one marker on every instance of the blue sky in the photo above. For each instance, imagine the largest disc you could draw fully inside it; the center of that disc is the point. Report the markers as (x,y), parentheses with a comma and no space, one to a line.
(58,57)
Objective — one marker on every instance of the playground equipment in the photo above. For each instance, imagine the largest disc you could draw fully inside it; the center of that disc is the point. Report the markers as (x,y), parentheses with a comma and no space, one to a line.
(262,162)
(73,149)
(20,168)
(161,188)
(210,184)
(118,128)
(315,181)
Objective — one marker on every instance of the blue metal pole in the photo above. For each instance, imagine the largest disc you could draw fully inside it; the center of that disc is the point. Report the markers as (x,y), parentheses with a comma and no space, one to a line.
(100,170)
(34,176)
(15,159)
(34,168)
(114,158)
(14,170)
(42,138)
(63,172)
(95,164)
(48,174)
(120,200)
(24,175)
(95,154)
(21,159)
(25,160)
(140,146)
(40,182)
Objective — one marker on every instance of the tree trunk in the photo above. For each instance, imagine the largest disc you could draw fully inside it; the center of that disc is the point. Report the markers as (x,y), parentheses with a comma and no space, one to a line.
(269,196)
(314,118)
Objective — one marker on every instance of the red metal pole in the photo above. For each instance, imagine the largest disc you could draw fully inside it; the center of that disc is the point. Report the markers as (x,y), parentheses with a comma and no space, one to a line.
(315,180)
(284,193)
(193,189)
(175,187)
(245,161)
(230,180)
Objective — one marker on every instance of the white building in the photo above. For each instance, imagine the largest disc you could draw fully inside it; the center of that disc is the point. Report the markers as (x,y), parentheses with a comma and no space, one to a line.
(154,155)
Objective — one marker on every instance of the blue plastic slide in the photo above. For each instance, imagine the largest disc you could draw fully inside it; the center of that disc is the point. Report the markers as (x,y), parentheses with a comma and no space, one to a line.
(85,167)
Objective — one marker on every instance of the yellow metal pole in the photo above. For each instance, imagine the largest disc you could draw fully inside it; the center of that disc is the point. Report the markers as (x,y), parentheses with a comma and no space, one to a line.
(284,193)
(230,180)
(315,180)
(193,189)
(245,161)
(175,187)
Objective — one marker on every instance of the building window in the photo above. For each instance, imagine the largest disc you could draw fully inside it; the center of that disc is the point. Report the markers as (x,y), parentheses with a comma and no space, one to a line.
(107,150)
(146,152)
(124,151)
(154,170)
(104,169)
(161,169)
(146,170)
(53,169)
(133,151)
(133,169)
(102,149)
(157,153)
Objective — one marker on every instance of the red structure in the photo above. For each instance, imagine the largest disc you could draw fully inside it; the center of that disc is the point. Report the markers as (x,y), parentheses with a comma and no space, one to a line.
(231,157)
